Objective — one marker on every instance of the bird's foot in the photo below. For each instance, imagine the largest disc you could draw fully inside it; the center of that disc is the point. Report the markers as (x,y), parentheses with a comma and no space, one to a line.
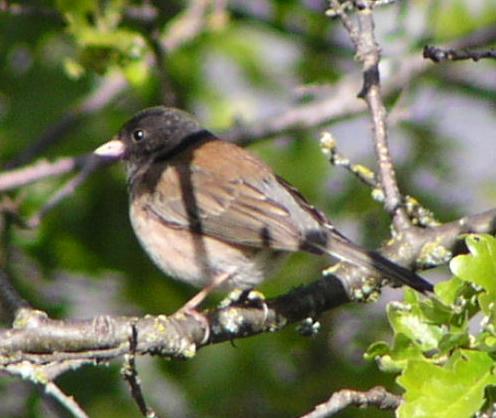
(243,297)
(186,310)
(247,298)
(190,307)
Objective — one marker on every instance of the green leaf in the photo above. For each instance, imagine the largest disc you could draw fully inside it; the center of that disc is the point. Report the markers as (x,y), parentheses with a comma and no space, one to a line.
(488,307)
(478,267)
(395,358)
(455,390)
(103,45)
(448,290)
(486,341)
(409,320)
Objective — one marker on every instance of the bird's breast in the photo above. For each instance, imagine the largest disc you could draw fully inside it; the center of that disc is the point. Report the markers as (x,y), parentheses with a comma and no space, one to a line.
(198,259)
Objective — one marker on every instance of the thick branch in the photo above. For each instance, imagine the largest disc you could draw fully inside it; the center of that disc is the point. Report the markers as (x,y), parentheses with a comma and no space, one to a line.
(430,247)
(42,340)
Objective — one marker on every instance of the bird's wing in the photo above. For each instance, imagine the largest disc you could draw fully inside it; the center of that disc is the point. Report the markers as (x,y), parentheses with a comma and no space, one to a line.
(245,205)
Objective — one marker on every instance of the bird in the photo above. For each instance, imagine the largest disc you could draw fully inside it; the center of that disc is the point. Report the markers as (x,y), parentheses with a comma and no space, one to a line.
(212,214)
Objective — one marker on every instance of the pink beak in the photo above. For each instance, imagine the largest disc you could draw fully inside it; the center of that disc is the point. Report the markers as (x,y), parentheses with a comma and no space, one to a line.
(113,149)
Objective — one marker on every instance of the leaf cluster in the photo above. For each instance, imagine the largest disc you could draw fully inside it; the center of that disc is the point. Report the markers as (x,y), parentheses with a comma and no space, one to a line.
(444,346)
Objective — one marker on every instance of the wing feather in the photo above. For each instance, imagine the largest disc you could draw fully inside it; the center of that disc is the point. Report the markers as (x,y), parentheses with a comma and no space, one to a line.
(230,208)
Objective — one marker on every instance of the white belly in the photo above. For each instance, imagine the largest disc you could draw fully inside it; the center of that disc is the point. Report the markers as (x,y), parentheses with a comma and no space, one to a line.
(197,261)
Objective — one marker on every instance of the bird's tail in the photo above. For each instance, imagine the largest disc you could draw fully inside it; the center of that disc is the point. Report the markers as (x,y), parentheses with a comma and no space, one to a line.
(343,249)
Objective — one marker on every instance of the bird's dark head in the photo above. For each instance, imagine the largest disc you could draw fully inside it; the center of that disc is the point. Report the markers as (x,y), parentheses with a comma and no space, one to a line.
(152,133)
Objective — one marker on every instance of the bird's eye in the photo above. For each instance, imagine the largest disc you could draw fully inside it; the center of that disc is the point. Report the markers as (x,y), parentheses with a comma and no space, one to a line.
(138,135)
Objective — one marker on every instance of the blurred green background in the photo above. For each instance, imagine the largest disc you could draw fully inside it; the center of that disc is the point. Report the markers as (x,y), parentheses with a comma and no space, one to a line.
(243,63)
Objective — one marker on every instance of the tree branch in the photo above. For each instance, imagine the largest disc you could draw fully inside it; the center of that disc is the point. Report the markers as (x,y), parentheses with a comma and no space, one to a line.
(448,54)
(16,178)
(368,53)
(10,300)
(41,340)
(36,374)
(130,374)
(44,340)
(92,162)
(377,397)
(67,401)
(418,214)
(339,103)
(20,177)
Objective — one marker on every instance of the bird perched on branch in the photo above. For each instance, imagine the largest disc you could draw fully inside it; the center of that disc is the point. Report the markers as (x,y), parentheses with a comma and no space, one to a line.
(212,214)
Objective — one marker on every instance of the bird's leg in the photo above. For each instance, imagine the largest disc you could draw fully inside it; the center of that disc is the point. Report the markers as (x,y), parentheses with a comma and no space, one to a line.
(189,308)
(191,304)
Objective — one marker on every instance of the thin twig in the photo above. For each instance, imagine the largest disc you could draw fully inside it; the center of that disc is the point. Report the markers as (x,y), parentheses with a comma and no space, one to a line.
(67,401)
(130,373)
(88,163)
(34,373)
(92,163)
(10,299)
(418,214)
(53,370)
(377,397)
(14,179)
(368,52)
(159,53)
(364,174)
(442,54)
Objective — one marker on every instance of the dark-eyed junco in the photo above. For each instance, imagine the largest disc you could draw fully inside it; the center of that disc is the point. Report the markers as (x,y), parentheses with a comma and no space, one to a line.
(212,214)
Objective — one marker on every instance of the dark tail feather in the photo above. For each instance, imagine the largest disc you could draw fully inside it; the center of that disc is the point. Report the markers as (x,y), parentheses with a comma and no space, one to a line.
(340,247)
